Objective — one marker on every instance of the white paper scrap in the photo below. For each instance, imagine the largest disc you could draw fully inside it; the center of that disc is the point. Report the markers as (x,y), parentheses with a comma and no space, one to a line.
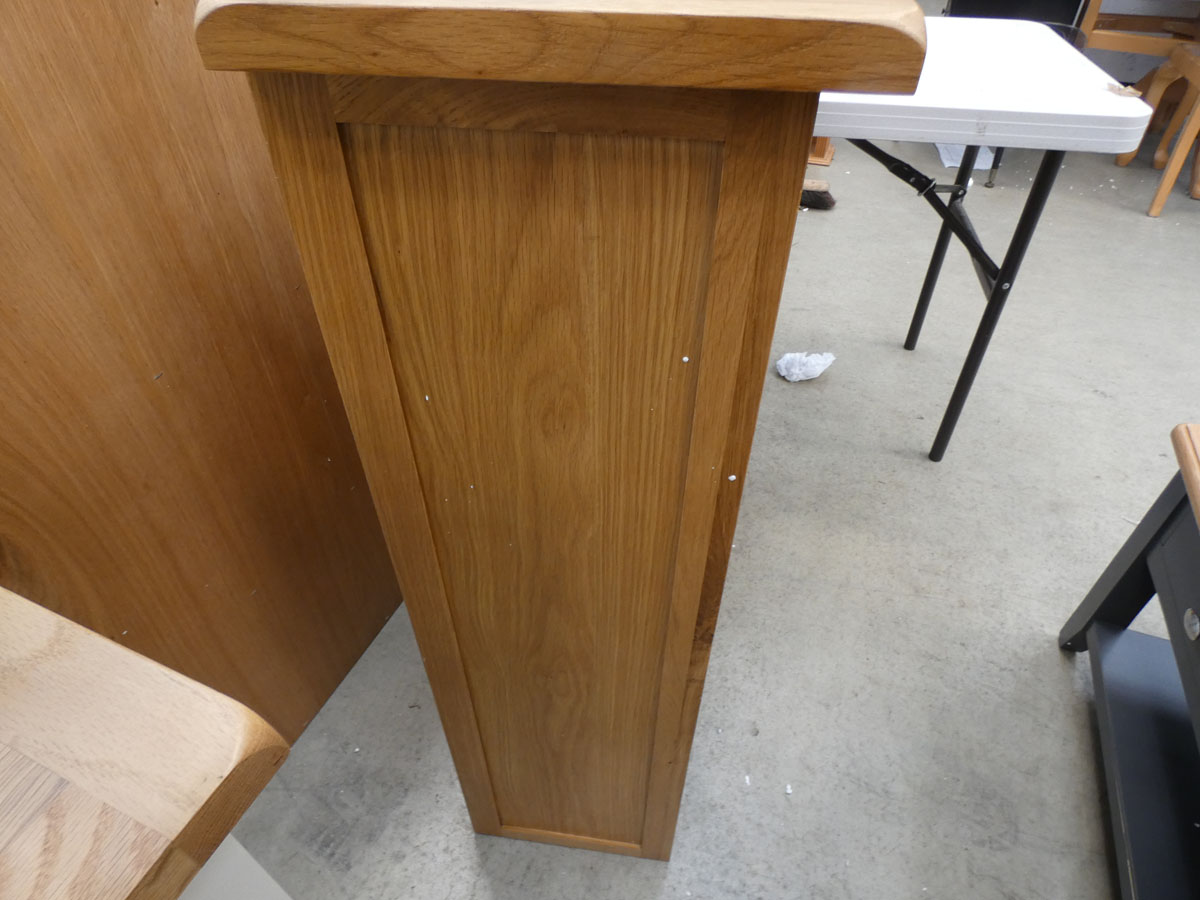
(803,366)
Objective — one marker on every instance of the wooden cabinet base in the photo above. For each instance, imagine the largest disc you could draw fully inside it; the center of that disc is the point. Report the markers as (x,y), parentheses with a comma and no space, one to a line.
(558,319)
(549,308)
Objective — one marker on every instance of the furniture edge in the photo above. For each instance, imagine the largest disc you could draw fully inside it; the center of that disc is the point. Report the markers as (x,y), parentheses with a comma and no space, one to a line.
(258,759)
(879,49)
(1186,440)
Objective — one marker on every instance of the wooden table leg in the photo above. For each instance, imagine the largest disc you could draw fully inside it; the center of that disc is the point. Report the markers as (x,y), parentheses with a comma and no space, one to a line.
(820,152)
(1183,146)
(1162,151)
(1164,76)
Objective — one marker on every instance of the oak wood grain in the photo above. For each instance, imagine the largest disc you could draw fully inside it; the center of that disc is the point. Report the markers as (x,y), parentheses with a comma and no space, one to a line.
(176,470)
(118,776)
(569,356)
(523,106)
(297,120)
(788,45)
(559,602)
(576,841)
(761,183)
(66,843)
(1186,440)
(550,333)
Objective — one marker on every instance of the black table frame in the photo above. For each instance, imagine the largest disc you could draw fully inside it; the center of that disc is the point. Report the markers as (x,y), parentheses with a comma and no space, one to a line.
(996,280)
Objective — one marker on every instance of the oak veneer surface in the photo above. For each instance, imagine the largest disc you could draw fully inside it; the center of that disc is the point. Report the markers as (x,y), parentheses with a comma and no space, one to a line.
(176,471)
(118,776)
(527,316)
(550,322)
(564,351)
(791,45)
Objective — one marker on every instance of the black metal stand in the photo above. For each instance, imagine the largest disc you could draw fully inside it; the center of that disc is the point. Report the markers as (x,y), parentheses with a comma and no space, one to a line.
(1126,585)
(1147,695)
(996,280)
(1151,764)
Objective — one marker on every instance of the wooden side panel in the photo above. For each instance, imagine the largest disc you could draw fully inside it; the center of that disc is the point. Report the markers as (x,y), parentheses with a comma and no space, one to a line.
(176,470)
(297,120)
(551,346)
(543,296)
(761,181)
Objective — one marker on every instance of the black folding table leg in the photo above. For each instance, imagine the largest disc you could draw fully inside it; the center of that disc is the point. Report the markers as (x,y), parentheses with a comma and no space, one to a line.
(1034,204)
(939,254)
(996,157)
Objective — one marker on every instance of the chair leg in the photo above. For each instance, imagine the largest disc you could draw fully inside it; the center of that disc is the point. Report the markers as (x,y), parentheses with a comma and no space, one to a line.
(1164,76)
(1181,114)
(1183,147)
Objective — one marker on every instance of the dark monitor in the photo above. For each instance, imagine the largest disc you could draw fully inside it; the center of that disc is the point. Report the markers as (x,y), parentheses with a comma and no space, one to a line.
(1057,12)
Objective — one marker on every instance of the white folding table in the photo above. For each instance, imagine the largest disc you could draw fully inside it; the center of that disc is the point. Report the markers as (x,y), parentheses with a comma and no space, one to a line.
(1001,82)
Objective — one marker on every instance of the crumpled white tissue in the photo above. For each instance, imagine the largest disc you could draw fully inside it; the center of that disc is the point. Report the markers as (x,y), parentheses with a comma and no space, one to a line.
(803,366)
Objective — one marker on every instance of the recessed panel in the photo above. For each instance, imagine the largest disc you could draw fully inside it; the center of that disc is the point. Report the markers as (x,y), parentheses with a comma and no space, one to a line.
(542,296)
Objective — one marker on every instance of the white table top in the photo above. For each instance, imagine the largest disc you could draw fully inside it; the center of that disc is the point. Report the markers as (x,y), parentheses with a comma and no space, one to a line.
(998,82)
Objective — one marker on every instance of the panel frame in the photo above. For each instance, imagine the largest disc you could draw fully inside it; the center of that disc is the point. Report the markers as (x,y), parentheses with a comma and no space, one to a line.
(764,139)
(587,773)
(523,106)
(761,182)
(302,136)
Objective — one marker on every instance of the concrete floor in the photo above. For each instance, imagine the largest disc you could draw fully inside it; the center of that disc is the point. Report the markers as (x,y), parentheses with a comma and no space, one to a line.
(887,639)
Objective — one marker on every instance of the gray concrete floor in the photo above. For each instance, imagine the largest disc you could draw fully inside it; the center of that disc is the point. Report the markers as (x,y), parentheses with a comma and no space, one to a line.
(887,639)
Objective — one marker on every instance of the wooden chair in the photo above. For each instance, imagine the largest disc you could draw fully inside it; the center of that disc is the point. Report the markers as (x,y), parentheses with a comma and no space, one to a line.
(118,776)
(1152,35)
(1184,63)
(1153,88)
(820,152)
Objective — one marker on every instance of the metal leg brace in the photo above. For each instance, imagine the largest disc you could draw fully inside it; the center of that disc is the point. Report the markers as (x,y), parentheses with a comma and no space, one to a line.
(996,281)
